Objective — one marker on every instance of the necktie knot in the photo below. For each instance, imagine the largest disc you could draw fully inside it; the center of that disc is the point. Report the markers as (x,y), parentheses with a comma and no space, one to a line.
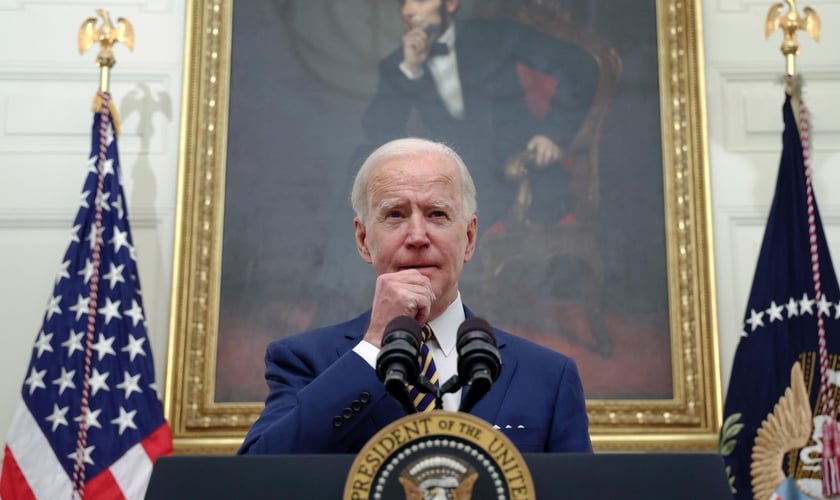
(438,49)
(424,401)
(426,333)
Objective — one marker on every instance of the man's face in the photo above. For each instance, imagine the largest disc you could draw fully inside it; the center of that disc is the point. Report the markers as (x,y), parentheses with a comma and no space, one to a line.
(425,13)
(415,220)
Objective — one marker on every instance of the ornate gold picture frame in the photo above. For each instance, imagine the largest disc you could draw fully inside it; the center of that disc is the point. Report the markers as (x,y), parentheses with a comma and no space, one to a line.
(686,418)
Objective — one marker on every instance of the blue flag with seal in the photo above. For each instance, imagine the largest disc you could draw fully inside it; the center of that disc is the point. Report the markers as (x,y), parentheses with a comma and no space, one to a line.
(779,437)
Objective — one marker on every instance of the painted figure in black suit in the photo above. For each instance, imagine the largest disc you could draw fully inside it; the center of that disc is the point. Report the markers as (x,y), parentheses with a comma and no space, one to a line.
(459,82)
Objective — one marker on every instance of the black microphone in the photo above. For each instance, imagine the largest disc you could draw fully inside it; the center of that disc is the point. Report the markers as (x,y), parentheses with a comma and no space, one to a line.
(397,364)
(479,362)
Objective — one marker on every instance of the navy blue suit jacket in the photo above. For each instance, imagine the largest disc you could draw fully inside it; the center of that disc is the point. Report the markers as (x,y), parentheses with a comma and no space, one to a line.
(324,398)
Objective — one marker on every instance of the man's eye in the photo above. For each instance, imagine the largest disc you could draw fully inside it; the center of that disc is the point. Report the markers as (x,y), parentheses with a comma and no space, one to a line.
(439,213)
(394,214)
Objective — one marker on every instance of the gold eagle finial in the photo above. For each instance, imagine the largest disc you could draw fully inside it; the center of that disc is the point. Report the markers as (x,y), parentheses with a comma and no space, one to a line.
(106,35)
(790,23)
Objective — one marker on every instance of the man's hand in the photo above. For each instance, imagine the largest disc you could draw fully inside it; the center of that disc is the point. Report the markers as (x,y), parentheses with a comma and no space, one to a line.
(403,293)
(415,49)
(546,150)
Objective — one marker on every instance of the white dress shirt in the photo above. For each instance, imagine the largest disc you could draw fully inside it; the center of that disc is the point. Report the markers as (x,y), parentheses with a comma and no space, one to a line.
(442,347)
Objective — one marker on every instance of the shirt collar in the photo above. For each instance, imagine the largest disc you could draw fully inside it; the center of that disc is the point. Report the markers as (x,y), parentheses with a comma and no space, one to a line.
(446,325)
(448,37)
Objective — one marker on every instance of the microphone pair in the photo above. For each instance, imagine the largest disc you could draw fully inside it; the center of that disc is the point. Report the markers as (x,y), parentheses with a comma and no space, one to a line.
(479,362)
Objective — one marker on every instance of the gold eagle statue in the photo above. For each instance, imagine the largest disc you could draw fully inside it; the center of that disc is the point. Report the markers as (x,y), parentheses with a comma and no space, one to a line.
(106,35)
(792,22)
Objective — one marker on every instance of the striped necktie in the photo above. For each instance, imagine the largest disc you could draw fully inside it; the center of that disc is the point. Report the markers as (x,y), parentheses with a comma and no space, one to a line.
(424,402)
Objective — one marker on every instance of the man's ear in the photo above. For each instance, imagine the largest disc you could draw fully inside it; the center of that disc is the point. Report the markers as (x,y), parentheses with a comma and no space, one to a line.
(472,232)
(361,240)
(451,6)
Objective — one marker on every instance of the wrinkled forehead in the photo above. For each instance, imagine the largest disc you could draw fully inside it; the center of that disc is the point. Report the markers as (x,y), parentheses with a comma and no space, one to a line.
(415,170)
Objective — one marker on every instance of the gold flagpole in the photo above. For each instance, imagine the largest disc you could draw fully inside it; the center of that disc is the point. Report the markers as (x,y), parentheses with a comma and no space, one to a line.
(106,36)
(790,23)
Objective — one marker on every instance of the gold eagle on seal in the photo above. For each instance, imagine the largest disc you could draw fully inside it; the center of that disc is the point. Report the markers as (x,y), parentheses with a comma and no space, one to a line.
(787,427)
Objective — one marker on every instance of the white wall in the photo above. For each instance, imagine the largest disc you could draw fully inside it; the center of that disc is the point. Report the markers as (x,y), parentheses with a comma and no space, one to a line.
(45,93)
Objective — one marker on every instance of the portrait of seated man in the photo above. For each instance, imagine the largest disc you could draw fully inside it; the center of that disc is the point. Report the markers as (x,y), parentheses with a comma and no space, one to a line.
(461,82)
(579,260)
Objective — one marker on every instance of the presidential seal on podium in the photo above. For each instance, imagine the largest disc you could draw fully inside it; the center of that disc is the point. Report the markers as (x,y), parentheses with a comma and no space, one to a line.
(439,455)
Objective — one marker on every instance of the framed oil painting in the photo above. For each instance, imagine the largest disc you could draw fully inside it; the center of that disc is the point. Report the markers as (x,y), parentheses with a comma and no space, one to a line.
(604,255)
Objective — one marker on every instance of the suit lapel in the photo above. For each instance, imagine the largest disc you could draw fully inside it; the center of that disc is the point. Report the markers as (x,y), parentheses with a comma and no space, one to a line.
(353,332)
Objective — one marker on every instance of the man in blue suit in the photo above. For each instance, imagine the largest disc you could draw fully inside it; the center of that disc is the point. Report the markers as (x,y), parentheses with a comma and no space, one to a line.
(416,225)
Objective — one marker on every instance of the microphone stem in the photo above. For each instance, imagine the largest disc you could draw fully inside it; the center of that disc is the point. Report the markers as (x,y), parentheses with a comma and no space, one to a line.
(398,389)
(451,385)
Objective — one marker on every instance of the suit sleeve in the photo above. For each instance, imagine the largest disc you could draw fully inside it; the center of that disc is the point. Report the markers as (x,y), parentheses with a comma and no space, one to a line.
(387,114)
(570,427)
(307,412)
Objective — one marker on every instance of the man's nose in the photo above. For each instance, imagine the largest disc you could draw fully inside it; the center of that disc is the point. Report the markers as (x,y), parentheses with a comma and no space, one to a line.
(417,230)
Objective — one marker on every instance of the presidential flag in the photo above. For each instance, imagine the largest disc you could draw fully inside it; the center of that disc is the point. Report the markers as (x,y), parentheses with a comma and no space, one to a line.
(90,421)
(780,416)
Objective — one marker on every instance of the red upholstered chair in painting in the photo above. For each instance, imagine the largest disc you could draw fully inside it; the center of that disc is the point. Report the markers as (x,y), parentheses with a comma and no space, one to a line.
(574,240)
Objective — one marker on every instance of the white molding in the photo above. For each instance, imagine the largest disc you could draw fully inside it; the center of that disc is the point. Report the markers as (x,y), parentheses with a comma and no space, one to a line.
(46,108)
(161,6)
(59,219)
(752,96)
(749,216)
(727,6)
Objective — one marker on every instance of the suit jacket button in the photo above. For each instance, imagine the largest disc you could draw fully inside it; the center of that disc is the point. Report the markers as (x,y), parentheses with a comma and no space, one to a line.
(337,421)
(347,414)
(364,397)
(356,405)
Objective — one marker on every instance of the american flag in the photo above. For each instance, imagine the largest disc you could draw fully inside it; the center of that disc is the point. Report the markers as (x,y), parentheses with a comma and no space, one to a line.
(89,421)
(782,396)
